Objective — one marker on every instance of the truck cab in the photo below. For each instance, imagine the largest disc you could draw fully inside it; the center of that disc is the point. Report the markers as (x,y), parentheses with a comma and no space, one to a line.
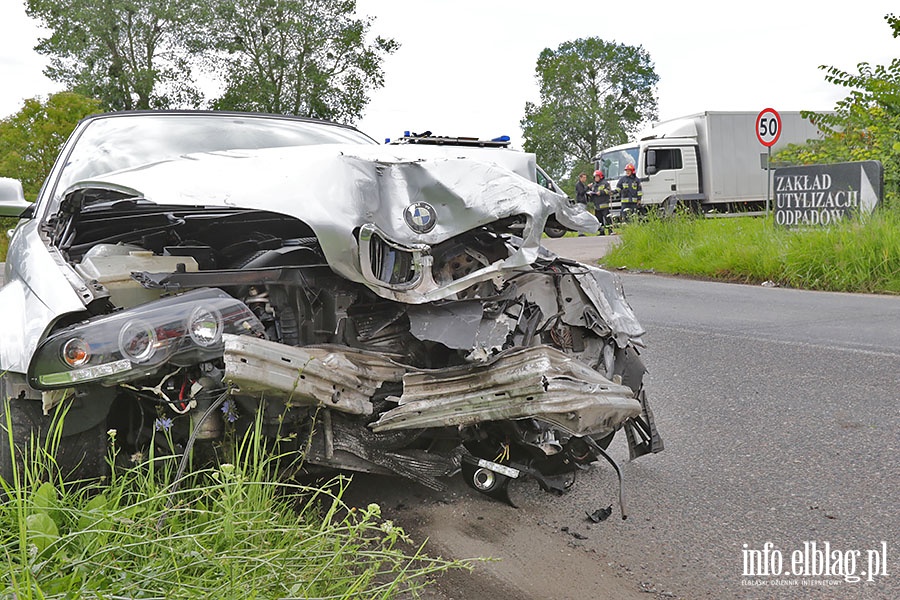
(710,161)
(668,167)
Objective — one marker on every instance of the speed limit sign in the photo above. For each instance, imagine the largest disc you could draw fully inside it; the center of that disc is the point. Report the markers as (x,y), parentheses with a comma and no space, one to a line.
(768,127)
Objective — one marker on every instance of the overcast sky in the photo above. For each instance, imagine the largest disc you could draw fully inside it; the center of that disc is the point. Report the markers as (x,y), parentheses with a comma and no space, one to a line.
(466,67)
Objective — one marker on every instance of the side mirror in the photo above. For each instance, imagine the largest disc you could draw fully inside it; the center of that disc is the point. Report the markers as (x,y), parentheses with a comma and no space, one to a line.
(12,198)
(650,166)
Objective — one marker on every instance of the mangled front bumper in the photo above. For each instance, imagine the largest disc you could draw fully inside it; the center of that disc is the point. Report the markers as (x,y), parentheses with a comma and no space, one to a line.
(537,382)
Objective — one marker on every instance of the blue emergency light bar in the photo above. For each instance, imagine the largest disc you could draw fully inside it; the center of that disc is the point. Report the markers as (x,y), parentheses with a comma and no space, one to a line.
(435,140)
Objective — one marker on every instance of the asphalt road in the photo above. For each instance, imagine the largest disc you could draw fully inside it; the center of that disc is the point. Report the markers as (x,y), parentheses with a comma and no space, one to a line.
(588,249)
(780,411)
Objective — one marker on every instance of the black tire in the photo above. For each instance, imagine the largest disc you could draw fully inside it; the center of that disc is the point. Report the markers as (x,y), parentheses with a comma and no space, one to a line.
(79,456)
(19,419)
(631,368)
(555,232)
(604,440)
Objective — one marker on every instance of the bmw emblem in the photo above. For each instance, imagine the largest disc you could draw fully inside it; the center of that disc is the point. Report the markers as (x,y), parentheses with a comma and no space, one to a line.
(420,217)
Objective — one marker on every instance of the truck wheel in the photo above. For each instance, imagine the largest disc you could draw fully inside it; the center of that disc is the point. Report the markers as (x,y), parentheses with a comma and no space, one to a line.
(79,456)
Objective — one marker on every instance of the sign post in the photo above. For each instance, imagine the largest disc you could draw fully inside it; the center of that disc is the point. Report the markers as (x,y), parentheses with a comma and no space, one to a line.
(768,130)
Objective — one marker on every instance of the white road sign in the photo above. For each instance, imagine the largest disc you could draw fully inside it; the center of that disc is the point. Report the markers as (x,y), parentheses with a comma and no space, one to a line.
(768,127)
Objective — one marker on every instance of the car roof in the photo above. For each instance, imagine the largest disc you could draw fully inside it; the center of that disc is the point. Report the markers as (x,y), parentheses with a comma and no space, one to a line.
(217,113)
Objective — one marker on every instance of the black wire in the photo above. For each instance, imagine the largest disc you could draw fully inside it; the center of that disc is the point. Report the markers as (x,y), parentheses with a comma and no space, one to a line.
(179,474)
(593,444)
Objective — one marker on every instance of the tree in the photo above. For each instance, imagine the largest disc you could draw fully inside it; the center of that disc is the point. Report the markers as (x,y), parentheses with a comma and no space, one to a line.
(301,57)
(131,54)
(864,124)
(593,94)
(31,139)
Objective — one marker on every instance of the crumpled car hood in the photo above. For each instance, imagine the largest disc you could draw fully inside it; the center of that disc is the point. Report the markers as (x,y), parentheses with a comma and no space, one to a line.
(336,189)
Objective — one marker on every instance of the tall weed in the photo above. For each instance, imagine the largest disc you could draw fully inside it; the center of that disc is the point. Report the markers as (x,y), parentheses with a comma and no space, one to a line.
(232,531)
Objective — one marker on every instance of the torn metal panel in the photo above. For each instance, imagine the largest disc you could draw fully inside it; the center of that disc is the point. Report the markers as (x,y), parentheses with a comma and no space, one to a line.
(572,301)
(454,325)
(606,294)
(338,377)
(492,334)
(588,297)
(538,382)
(539,289)
(463,325)
(582,408)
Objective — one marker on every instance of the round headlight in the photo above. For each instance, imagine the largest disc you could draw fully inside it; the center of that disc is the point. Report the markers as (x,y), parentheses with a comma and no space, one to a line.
(137,341)
(205,326)
(76,352)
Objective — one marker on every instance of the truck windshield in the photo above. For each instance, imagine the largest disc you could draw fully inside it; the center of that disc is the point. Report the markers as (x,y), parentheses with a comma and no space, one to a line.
(613,163)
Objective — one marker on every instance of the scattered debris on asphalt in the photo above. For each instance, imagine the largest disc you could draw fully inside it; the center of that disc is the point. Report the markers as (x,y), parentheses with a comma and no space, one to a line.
(601,514)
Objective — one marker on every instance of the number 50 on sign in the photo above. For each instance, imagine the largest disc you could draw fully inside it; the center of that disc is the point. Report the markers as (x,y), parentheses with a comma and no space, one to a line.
(768,127)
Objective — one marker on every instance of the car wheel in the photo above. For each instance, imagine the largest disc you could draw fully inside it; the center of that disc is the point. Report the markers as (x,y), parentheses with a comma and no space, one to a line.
(24,427)
(554,232)
(631,368)
(604,440)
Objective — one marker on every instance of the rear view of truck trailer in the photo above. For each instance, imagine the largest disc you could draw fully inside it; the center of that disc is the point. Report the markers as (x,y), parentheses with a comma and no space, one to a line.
(711,161)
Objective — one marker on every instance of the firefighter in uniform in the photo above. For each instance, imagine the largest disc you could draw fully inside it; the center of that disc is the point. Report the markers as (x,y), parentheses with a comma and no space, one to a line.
(599,194)
(630,192)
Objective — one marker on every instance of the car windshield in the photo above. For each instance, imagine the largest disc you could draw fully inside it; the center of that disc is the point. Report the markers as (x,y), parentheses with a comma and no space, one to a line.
(127,141)
(613,163)
(544,180)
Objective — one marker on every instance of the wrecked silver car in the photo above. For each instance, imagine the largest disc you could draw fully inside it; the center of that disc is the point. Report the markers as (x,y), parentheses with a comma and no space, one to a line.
(385,309)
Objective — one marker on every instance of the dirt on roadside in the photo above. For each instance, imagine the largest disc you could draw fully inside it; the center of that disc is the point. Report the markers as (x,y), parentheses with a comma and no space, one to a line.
(517,556)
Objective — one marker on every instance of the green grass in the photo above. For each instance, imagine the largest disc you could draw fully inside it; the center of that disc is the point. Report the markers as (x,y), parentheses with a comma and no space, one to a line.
(854,256)
(6,224)
(228,532)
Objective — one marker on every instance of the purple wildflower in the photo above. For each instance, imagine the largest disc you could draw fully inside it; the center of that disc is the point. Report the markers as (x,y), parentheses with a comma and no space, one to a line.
(162,424)
(229,410)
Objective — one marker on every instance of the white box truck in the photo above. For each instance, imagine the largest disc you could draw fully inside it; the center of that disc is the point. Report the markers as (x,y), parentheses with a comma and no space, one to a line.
(710,161)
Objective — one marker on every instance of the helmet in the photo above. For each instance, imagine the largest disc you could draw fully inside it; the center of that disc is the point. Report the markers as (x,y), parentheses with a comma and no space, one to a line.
(598,174)
(629,167)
